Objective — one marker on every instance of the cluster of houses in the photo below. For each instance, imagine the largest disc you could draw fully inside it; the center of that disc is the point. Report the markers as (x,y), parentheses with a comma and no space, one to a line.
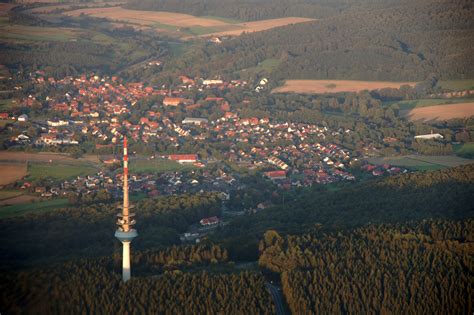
(289,154)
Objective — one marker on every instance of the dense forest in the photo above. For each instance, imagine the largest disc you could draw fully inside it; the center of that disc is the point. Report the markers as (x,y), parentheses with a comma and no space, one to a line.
(250,10)
(404,42)
(445,193)
(417,268)
(94,287)
(87,231)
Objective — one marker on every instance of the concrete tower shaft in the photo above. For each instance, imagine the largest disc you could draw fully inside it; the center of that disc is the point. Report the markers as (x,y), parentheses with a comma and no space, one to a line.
(125,219)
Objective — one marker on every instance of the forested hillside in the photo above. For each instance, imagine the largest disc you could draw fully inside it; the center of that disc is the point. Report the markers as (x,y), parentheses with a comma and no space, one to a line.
(422,268)
(95,287)
(439,194)
(87,231)
(404,42)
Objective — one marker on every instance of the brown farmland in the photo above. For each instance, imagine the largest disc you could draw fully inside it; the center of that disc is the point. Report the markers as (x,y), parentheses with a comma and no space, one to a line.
(258,26)
(12,172)
(148,17)
(335,86)
(5,8)
(440,112)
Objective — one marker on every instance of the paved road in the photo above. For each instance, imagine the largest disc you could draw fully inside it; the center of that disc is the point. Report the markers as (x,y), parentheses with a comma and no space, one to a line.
(277,298)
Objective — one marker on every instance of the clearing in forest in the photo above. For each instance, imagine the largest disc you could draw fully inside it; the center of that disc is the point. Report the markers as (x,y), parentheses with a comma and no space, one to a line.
(335,86)
(440,112)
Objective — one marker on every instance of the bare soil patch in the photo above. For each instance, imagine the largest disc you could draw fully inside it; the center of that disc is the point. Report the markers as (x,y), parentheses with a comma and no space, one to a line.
(440,112)
(12,172)
(335,86)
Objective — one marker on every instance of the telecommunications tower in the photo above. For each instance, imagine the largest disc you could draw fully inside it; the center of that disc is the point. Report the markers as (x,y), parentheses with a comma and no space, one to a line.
(125,220)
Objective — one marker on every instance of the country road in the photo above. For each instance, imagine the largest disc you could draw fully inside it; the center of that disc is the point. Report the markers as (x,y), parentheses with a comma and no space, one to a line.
(277,298)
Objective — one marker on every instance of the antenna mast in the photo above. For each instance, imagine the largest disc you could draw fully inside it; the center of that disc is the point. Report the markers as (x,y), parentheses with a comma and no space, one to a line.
(125,221)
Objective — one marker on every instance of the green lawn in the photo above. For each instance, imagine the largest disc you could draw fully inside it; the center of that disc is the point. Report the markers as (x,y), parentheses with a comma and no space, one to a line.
(465,150)
(34,207)
(157,166)
(6,104)
(222,19)
(6,194)
(456,85)
(268,65)
(200,30)
(421,162)
(39,171)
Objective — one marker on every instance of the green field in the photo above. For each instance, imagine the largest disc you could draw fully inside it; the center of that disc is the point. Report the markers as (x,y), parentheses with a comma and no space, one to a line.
(38,171)
(34,207)
(457,85)
(407,105)
(157,166)
(222,19)
(6,194)
(6,104)
(268,65)
(465,150)
(421,163)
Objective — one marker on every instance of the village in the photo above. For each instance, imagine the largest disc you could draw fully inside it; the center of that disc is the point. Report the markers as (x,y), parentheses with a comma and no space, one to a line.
(102,110)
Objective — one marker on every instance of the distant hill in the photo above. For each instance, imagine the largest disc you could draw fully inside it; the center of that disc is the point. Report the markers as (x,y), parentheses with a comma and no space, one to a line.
(406,42)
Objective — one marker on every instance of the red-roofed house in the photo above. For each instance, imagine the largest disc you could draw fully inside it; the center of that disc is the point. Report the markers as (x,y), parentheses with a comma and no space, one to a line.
(209,221)
(274,175)
(183,158)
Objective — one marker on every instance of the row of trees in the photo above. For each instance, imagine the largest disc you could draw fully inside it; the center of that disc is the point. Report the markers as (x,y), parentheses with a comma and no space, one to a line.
(410,268)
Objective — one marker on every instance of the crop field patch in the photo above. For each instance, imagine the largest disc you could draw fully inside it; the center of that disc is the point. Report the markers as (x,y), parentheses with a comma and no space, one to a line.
(258,26)
(335,86)
(422,162)
(440,112)
(11,172)
(35,33)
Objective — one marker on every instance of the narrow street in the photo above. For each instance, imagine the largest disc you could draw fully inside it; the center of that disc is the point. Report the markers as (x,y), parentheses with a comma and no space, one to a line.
(277,297)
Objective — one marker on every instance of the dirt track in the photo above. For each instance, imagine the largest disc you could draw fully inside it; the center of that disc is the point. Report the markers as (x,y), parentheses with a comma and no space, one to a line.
(335,86)
(440,112)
